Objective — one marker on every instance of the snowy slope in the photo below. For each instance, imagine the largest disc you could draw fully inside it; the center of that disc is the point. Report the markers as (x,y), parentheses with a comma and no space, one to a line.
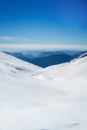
(74,69)
(15,66)
(30,104)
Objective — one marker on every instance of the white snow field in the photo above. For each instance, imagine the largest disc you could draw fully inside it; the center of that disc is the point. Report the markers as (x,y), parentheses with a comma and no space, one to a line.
(54,98)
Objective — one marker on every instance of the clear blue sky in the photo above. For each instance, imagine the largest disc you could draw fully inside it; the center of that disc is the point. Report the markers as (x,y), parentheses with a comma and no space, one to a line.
(43,21)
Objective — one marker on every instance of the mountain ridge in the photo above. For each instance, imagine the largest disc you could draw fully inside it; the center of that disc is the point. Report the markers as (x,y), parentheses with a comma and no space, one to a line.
(47,58)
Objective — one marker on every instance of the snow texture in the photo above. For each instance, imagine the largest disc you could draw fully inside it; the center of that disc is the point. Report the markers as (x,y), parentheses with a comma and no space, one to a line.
(32,98)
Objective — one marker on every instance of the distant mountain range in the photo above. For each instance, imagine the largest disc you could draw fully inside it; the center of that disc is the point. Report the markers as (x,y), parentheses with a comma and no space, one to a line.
(47,58)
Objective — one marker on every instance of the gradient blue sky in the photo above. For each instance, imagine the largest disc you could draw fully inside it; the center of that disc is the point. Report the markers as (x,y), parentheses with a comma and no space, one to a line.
(43,22)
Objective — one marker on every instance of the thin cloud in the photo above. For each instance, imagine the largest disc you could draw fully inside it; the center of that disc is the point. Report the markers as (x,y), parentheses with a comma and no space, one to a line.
(4,38)
(8,38)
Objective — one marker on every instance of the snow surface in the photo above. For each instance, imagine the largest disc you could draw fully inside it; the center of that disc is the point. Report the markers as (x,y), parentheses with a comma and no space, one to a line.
(54,98)
(15,66)
(74,69)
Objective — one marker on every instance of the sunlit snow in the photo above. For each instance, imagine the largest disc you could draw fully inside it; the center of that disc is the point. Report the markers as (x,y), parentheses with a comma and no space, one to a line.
(32,98)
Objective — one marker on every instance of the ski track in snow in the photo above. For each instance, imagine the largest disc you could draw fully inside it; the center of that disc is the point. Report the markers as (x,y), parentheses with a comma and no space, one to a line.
(32,98)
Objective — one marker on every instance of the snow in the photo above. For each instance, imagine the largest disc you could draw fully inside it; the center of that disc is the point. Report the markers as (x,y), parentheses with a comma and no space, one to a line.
(14,66)
(74,69)
(54,98)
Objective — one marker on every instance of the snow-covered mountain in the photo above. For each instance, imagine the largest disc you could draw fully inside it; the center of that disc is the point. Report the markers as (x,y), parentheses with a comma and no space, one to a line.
(74,69)
(12,65)
(45,58)
(28,103)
